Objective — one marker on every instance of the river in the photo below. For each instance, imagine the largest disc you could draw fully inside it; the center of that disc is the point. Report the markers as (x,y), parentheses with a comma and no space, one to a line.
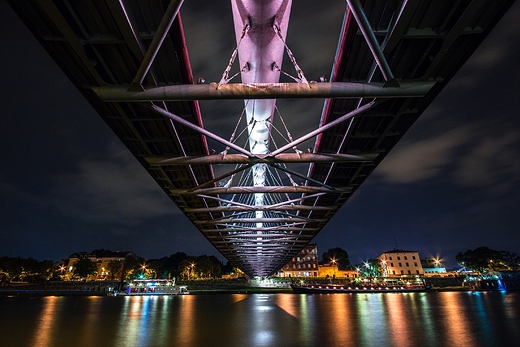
(388,319)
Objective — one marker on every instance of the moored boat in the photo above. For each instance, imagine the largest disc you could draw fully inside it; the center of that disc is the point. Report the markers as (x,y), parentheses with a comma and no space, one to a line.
(350,288)
(152,287)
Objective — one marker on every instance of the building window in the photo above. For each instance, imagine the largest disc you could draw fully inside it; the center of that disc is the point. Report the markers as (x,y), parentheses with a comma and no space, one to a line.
(393,272)
(407,264)
(405,257)
(398,258)
(400,264)
(390,258)
(409,272)
(415,263)
(417,271)
(402,272)
(413,257)
(392,264)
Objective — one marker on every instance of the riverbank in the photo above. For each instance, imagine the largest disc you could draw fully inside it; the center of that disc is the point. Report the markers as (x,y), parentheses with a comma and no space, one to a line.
(250,290)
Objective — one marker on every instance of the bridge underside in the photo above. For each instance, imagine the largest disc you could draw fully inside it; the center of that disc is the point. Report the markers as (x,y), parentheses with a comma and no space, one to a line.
(259,201)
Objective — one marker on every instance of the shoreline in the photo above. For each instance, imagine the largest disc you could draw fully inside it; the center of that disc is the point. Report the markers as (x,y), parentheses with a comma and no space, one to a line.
(251,290)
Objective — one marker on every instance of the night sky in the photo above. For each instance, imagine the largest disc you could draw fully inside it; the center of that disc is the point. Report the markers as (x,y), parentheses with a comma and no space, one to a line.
(69,185)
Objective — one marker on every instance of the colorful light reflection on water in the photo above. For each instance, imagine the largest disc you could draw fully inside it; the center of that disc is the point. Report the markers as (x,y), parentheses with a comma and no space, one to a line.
(390,319)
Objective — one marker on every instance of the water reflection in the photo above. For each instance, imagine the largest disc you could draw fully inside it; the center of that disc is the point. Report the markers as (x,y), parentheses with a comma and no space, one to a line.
(390,319)
(46,322)
(455,319)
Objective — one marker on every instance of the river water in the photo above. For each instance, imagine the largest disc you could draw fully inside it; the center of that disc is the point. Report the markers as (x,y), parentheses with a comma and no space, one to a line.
(387,319)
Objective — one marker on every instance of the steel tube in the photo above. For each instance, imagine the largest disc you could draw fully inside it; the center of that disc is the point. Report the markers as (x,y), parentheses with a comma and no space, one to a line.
(243,159)
(120,93)
(259,189)
(258,208)
(370,38)
(155,45)
(201,130)
(327,126)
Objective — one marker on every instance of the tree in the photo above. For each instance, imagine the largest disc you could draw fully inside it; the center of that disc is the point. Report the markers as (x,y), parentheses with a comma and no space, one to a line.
(114,269)
(187,268)
(131,267)
(510,259)
(84,267)
(208,266)
(479,259)
(370,268)
(337,255)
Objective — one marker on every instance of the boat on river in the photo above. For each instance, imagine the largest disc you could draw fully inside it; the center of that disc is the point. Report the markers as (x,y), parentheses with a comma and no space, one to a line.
(152,287)
(354,288)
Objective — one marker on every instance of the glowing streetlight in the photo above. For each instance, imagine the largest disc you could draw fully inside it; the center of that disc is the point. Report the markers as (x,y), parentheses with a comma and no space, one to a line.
(192,268)
(334,261)
(143,268)
(437,262)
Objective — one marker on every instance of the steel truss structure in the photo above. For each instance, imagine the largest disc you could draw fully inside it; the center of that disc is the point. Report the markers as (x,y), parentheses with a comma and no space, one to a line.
(129,59)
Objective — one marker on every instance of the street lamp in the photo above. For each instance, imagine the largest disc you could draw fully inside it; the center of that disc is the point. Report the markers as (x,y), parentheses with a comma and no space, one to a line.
(143,268)
(437,262)
(333,260)
(192,267)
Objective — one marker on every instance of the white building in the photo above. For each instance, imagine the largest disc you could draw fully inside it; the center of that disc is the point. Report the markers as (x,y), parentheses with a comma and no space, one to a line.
(399,262)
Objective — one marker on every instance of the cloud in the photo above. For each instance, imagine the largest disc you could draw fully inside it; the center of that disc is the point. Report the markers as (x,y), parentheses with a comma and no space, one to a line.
(491,162)
(115,190)
(415,161)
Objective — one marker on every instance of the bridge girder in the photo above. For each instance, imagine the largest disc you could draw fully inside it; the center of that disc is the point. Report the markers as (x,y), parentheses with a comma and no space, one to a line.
(393,58)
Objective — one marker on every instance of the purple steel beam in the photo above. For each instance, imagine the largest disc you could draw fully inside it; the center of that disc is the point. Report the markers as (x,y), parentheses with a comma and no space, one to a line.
(201,130)
(243,159)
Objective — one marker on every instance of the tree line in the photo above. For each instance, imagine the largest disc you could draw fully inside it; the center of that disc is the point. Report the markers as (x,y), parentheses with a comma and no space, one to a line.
(484,259)
(178,265)
(187,267)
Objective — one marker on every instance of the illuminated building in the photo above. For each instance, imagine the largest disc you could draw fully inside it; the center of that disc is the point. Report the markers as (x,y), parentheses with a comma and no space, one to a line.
(432,266)
(399,262)
(109,264)
(305,264)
